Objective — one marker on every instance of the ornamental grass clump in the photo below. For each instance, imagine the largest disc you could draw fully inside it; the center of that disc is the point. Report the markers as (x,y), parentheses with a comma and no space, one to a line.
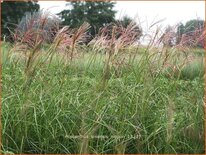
(170,59)
(51,104)
(35,27)
(71,38)
(113,38)
(30,36)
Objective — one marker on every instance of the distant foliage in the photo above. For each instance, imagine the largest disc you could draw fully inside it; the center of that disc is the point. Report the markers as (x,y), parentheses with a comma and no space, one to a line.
(97,14)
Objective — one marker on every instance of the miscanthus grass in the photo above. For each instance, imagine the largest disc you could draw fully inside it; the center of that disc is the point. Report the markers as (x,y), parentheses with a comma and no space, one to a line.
(105,97)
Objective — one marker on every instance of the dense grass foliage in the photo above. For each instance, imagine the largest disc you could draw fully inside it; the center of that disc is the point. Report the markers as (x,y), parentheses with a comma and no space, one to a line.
(67,107)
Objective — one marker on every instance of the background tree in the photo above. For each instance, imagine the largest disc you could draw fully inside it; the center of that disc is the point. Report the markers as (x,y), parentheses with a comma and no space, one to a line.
(192,25)
(97,14)
(12,12)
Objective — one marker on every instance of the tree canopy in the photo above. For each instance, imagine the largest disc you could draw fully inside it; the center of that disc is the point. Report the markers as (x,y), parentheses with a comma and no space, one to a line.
(193,25)
(97,14)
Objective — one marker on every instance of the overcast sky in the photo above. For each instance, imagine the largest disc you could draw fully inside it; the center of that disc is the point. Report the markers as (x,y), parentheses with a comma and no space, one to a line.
(148,11)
